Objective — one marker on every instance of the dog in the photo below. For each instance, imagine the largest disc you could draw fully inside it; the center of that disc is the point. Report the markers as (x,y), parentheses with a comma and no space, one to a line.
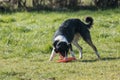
(69,33)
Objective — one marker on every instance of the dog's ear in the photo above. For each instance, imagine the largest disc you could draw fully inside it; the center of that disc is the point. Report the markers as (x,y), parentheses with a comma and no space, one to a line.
(55,43)
(67,45)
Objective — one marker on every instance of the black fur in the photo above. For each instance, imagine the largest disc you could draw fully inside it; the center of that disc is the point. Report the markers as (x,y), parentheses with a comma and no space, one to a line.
(68,29)
(62,48)
(72,26)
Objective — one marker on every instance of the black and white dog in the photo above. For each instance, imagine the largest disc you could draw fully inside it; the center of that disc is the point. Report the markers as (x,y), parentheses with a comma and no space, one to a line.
(70,32)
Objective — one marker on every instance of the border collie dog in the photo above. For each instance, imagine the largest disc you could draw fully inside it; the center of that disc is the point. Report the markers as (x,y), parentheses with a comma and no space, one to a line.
(69,33)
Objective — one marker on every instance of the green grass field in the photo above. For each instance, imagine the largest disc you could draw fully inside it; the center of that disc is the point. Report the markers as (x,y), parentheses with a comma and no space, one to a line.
(26,43)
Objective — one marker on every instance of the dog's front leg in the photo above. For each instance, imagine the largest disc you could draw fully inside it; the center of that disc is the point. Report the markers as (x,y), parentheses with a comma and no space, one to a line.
(52,55)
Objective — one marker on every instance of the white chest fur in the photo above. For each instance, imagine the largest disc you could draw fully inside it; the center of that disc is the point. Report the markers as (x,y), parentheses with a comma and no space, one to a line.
(61,38)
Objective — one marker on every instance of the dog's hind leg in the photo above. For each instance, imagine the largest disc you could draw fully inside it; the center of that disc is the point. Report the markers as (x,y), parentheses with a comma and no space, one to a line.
(94,48)
(79,47)
(75,42)
(52,55)
(89,41)
(71,51)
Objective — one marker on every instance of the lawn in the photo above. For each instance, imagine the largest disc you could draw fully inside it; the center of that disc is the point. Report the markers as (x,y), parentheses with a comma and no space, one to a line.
(26,43)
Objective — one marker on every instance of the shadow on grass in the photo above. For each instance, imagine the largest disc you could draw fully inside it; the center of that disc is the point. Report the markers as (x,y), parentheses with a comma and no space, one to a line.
(89,60)
(102,59)
(110,58)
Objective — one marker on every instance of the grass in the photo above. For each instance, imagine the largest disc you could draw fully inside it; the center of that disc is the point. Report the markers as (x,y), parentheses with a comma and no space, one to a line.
(26,43)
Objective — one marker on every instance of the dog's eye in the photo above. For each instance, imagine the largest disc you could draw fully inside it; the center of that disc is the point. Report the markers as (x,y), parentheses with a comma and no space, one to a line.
(56,50)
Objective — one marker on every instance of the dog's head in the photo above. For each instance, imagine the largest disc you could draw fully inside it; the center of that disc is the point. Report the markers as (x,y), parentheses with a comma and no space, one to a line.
(61,47)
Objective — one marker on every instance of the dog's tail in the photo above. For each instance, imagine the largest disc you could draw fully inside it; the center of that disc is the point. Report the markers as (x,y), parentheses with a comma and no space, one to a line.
(89,20)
